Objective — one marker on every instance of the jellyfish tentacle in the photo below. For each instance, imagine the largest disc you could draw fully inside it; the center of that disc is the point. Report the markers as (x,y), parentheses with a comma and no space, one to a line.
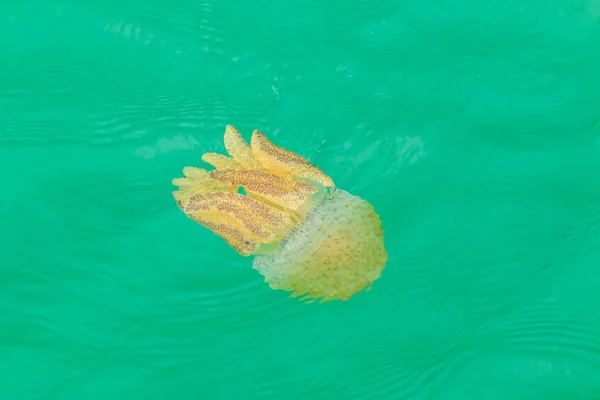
(280,191)
(281,161)
(238,149)
(197,181)
(237,218)
(223,200)
(219,161)
(271,216)
(196,173)
(228,228)
(229,204)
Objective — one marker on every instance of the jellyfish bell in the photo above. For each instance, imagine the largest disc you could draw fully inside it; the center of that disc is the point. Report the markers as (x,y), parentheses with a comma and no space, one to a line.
(307,236)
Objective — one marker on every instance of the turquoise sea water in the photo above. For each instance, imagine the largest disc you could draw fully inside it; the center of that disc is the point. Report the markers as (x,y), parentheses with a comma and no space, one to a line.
(472,127)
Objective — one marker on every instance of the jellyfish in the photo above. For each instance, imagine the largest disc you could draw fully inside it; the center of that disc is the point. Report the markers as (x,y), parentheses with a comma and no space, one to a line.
(306,236)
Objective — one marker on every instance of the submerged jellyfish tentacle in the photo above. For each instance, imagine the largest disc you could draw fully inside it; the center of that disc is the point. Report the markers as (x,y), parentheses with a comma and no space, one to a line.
(307,236)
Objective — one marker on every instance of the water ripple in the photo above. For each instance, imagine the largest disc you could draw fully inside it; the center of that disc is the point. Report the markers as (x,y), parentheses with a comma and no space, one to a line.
(491,212)
(544,326)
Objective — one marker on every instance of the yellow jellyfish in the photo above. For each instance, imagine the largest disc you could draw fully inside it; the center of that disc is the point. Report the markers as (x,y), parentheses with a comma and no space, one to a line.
(307,236)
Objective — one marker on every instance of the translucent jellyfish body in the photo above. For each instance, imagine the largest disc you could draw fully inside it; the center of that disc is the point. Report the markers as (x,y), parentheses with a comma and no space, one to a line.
(306,236)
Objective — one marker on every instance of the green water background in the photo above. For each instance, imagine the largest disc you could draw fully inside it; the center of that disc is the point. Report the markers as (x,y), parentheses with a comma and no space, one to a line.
(472,127)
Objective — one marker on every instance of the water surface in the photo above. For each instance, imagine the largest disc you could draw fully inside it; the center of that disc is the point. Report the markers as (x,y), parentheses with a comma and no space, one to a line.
(472,128)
